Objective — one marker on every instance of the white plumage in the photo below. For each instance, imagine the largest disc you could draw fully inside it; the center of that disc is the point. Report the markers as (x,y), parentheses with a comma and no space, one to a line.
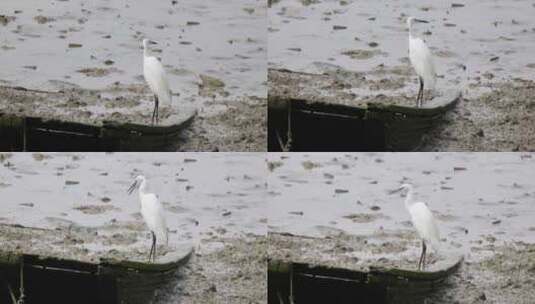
(153,214)
(422,61)
(156,78)
(424,223)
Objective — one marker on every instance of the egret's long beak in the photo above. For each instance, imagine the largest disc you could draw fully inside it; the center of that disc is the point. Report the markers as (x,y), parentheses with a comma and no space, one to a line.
(421,20)
(395,190)
(132,187)
(153,42)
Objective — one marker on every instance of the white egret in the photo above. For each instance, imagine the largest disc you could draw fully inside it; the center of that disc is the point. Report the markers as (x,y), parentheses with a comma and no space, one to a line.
(422,61)
(152,212)
(424,222)
(156,77)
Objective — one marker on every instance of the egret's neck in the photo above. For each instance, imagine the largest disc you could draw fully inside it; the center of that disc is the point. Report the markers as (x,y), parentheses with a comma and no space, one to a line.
(410,31)
(408,199)
(142,188)
(145,51)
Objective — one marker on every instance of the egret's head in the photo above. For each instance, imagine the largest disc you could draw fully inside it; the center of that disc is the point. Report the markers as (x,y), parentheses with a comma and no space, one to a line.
(405,187)
(137,182)
(146,43)
(411,20)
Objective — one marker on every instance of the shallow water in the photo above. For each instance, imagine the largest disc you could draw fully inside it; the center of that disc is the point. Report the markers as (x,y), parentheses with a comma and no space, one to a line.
(220,191)
(304,38)
(475,197)
(225,40)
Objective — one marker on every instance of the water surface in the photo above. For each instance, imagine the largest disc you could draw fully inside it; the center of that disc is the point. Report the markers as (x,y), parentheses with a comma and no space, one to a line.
(494,39)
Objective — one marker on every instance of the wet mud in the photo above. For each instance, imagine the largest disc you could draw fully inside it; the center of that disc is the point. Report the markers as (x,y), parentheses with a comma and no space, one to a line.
(341,250)
(500,120)
(332,87)
(92,107)
(506,277)
(123,241)
(233,273)
(230,125)
(241,127)
(222,270)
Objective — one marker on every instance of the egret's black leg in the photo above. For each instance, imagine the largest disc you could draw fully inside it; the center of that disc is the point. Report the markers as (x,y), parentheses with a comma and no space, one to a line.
(153,247)
(420,98)
(421,256)
(424,253)
(154,110)
(157,110)
(420,87)
(150,253)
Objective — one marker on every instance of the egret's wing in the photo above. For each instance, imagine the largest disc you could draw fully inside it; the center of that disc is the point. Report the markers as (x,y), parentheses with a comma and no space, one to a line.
(154,215)
(422,61)
(425,224)
(157,79)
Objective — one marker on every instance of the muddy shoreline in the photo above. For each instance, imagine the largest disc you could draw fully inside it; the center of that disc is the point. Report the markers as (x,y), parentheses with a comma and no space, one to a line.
(507,276)
(502,119)
(79,243)
(222,269)
(236,273)
(242,127)
(221,125)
